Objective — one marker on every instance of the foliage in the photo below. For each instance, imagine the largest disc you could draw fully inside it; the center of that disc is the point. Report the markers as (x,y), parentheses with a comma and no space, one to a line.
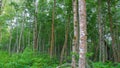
(106,65)
(27,59)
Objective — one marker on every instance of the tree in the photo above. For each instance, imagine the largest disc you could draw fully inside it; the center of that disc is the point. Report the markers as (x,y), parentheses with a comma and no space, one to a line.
(75,38)
(101,35)
(0,6)
(52,34)
(114,49)
(82,34)
(35,41)
(66,39)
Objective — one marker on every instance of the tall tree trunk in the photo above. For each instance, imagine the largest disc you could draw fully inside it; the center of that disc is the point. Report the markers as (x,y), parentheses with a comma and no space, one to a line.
(101,35)
(82,34)
(52,35)
(10,42)
(39,37)
(0,6)
(35,42)
(75,39)
(115,33)
(111,31)
(65,42)
(17,39)
(21,33)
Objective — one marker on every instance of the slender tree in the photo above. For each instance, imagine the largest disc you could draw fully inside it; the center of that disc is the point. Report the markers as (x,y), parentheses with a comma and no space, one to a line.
(101,35)
(21,33)
(66,39)
(75,39)
(115,55)
(35,41)
(0,6)
(82,34)
(9,46)
(52,34)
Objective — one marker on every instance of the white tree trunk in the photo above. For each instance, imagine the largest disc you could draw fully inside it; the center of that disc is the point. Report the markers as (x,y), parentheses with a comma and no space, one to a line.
(83,37)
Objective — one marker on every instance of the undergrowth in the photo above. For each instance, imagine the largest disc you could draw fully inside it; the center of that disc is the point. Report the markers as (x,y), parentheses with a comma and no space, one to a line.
(27,59)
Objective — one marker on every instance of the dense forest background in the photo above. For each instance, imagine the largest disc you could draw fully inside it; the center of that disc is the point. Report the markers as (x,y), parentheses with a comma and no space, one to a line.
(46,33)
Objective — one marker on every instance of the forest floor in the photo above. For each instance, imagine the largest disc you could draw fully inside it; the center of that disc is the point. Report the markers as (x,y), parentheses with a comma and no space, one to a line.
(27,59)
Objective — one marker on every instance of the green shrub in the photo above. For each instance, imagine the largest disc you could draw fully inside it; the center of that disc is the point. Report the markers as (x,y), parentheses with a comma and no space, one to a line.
(27,59)
(103,65)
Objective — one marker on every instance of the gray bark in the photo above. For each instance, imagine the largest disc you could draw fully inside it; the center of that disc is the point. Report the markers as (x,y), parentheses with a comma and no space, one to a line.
(82,34)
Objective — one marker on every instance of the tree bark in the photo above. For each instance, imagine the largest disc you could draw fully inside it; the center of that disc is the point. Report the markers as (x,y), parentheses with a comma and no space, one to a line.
(82,34)
(52,35)
(0,6)
(75,38)
(35,41)
(112,34)
(101,34)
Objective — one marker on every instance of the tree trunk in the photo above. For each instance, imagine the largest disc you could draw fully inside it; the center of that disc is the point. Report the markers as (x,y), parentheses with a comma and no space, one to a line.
(52,35)
(82,34)
(35,42)
(10,42)
(75,39)
(21,33)
(112,34)
(101,35)
(0,6)
(17,39)
(65,42)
